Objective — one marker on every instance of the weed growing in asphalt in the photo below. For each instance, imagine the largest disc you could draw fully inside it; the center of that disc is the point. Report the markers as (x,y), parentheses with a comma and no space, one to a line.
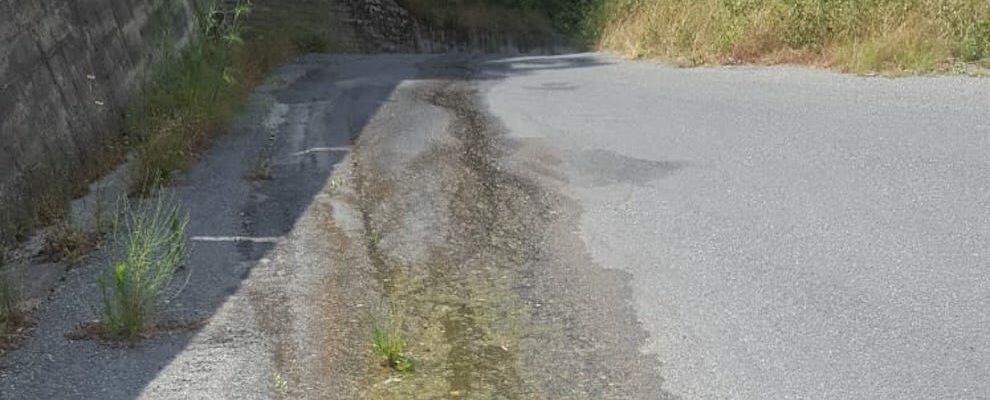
(374,239)
(280,386)
(146,248)
(388,345)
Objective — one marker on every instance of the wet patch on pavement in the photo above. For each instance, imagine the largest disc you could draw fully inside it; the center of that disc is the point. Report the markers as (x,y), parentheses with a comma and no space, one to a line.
(507,304)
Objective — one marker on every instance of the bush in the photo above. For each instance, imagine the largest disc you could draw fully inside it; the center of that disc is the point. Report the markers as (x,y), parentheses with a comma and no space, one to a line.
(976,44)
(145,250)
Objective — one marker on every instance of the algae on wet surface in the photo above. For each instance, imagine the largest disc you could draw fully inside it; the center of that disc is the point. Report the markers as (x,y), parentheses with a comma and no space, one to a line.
(481,266)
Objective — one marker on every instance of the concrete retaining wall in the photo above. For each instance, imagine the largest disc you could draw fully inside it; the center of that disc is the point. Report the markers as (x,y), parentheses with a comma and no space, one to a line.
(67,70)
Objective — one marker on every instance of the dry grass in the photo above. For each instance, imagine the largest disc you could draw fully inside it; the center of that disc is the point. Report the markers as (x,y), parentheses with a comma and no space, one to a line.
(894,36)
(12,318)
(68,243)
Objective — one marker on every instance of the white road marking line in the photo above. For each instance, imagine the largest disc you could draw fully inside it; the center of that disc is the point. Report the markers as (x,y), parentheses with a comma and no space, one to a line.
(234,239)
(321,150)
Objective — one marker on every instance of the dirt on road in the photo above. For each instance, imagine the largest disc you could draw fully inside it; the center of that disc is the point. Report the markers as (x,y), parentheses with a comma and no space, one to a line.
(480,263)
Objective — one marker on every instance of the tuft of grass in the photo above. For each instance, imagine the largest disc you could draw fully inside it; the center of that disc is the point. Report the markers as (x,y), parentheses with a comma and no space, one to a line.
(336,182)
(976,41)
(146,248)
(853,35)
(388,345)
(10,315)
(44,199)
(280,386)
(68,243)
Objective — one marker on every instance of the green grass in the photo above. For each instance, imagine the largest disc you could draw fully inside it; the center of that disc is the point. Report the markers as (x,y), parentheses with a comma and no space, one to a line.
(145,250)
(189,96)
(192,95)
(388,345)
(894,36)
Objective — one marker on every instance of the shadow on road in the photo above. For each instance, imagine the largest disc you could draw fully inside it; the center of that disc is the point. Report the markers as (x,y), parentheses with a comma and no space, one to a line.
(303,121)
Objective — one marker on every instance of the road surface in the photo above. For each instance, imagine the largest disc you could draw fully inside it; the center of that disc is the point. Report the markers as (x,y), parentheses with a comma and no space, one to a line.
(566,227)
(789,233)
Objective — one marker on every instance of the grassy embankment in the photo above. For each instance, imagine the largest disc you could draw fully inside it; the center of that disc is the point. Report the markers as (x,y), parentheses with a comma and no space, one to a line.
(890,36)
(861,36)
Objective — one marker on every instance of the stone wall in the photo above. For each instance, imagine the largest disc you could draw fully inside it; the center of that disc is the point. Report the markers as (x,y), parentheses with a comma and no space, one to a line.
(387,24)
(67,71)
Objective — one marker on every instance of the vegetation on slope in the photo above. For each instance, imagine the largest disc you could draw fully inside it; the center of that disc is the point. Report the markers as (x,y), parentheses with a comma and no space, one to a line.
(473,18)
(186,99)
(894,36)
(193,93)
(852,35)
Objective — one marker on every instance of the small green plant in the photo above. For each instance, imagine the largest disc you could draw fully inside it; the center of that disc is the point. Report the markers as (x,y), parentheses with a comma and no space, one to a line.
(388,345)
(280,386)
(146,248)
(374,239)
(336,182)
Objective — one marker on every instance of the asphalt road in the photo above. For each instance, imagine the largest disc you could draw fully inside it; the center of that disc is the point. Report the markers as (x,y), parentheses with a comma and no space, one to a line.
(790,233)
(566,227)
